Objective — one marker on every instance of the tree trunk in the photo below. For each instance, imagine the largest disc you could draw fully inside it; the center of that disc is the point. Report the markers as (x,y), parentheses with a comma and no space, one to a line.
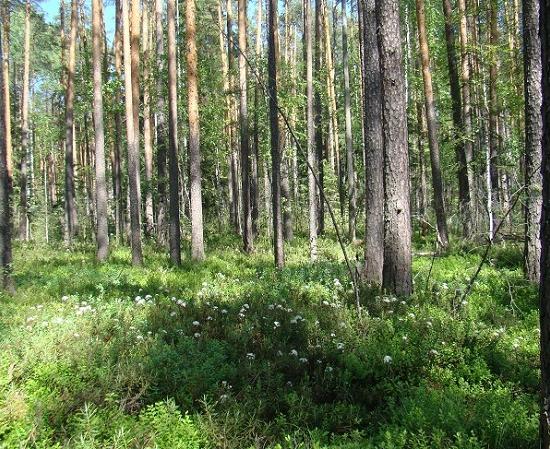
(533,136)
(311,150)
(463,184)
(6,89)
(5,207)
(174,233)
(102,233)
(275,137)
(397,276)
(374,147)
(431,120)
(161,125)
(466,209)
(545,230)
(317,117)
(255,189)
(197,240)
(23,181)
(116,164)
(248,238)
(147,133)
(132,136)
(352,196)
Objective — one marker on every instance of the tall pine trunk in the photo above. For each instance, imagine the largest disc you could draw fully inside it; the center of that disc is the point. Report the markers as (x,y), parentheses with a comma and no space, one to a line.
(278,244)
(397,276)
(174,231)
(248,242)
(431,120)
(102,233)
(132,137)
(197,240)
(374,147)
(533,136)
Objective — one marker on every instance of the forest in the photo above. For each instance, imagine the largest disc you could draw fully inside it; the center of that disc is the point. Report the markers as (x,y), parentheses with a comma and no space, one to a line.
(279,224)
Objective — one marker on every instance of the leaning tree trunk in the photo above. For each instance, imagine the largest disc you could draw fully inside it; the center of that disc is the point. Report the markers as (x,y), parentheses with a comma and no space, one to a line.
(431,121)
(275,137)
(533,136)
(197,239)
(374,147)
(102,233)
(397,276)
(174,232)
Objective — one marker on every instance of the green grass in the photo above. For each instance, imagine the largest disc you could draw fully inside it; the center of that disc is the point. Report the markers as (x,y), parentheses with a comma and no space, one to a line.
(230,353)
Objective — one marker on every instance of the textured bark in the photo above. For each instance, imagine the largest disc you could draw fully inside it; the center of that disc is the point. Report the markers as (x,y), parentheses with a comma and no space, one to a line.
(466,209)
(25,132)
(135,24)
(545,229)
(197,239)
(533,136)
(431,121)
(147,131)
(317,109)
(311,151)
(248,238)
(255,189)
(352,194)
(174,235)
(456,101)
(160,126)
(6,88)
(5,206)
(397,276)
(333,145)
(275,136)
(493,107)
(374,148)
(116,163)
(102,232)
(132,137)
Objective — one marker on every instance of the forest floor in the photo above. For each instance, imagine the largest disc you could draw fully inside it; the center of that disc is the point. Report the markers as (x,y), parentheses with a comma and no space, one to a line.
(229,353)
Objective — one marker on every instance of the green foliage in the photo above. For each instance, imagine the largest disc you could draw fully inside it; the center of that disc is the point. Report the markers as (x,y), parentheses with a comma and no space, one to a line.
(230,353)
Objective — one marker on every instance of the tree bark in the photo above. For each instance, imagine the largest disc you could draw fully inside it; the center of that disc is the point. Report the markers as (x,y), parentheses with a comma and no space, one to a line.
(317,117)
(174,232)
(132,136)
(466,208)
(275,137)
(352,195)
(397,276)
(311,150)
(197,240)
(116,163)
(102,233)
(6,89)
(161,125)
(544,292)
(147,130)
(5,206)
(25,132)
(431,120)
(248,238)
(374,147)
(533,136)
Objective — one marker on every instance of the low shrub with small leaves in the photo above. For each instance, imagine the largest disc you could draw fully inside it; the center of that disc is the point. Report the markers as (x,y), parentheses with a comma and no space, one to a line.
(230,353)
